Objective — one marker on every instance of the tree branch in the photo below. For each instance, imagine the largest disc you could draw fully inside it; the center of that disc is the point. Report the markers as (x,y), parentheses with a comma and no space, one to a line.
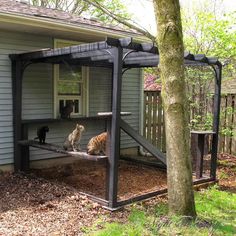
(121,20)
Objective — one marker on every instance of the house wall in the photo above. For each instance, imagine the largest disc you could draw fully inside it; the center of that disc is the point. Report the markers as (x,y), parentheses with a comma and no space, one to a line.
(37,98)
(131,98)
(37,92)
(12,42)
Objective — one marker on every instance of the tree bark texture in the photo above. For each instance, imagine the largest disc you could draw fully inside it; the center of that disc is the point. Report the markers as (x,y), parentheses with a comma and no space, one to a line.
(179,170)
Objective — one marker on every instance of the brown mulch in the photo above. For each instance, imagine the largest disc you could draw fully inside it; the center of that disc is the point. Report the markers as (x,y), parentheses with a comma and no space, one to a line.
(34,206)
(48,202)
(89,177)
(227,172)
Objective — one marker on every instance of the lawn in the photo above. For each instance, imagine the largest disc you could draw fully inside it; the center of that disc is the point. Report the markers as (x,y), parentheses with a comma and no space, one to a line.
(216,211)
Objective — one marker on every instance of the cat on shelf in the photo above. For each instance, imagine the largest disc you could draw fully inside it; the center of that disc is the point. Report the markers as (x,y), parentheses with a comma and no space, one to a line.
(41,134)
(72,141)
(67,110)
(97,144)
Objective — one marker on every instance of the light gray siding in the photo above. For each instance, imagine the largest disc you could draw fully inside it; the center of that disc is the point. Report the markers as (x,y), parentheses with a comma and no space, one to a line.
(100,81)
(37,92)
(130,102)
(12,42)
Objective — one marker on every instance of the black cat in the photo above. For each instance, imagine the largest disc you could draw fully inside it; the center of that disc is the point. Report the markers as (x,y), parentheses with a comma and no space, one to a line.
(66,110)
(41,134)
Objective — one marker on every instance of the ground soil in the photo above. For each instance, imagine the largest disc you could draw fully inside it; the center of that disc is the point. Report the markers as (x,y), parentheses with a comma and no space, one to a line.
(89,177)
(226,172)
(49,201)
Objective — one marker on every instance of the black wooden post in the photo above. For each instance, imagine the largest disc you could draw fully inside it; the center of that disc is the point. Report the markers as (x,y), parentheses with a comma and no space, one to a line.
(17,73)
(108,153)
(21,154)
(216,119)
(117,54)
(25,158)
(197,150)
(199,154)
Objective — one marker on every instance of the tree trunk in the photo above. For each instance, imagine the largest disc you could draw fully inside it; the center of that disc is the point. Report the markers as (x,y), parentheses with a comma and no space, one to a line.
(179,170)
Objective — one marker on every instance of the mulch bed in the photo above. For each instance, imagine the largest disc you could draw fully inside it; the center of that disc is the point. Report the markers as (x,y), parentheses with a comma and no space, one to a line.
(227,172)
(48,202)
(89,177)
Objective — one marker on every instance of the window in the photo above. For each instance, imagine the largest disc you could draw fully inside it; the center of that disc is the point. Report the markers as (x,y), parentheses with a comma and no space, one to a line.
(70,85)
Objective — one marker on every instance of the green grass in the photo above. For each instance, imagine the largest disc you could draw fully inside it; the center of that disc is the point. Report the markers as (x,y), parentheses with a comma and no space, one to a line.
(216,216)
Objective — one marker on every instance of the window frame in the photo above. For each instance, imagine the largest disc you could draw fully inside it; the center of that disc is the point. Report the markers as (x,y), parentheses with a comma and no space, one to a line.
(84,97)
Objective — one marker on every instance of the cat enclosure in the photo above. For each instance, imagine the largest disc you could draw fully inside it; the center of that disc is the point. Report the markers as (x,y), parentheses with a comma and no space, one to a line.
(120,55)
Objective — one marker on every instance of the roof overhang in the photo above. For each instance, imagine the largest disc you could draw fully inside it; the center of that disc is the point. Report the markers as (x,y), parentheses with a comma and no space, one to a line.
(60,29)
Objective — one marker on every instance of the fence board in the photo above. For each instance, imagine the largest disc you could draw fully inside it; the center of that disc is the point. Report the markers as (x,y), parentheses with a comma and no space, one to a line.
(223,118)
(160,124)
(233,144)
(228,124)
(149,116)
(154,129)
(154,114)
(153,119)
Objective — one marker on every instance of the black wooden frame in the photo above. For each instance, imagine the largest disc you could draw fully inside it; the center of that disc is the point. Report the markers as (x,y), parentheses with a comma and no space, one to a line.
(120,55)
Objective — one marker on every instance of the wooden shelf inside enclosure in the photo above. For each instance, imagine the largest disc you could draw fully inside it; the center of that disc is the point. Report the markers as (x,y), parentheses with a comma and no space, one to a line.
(59,149)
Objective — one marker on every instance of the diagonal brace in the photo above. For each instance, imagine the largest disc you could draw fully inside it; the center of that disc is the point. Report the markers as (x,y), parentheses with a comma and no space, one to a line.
(142,141)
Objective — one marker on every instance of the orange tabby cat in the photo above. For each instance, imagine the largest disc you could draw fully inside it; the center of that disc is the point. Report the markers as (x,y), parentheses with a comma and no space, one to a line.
(97,144)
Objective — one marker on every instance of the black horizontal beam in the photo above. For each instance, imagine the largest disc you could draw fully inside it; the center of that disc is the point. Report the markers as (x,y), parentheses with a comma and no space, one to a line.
(130,44)
(146,54)
(61,51)
(158,192)
(43,121)
(141,197)
(213,60)
(188,56)
(99,200)
(149,47)
(201,58)
(94,55)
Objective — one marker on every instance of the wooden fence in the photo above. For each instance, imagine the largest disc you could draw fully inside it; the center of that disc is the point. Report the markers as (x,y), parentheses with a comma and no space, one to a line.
(153,126)
(227,141)
(153,122)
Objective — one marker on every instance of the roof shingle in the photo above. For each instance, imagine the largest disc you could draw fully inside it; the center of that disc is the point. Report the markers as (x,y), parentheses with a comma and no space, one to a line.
(24,9)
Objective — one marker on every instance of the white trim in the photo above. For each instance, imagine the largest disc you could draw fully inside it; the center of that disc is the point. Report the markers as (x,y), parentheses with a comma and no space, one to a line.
(69,42)
(85,82)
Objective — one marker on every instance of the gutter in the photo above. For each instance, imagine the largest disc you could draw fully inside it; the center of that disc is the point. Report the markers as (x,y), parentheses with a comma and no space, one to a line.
(51,24)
